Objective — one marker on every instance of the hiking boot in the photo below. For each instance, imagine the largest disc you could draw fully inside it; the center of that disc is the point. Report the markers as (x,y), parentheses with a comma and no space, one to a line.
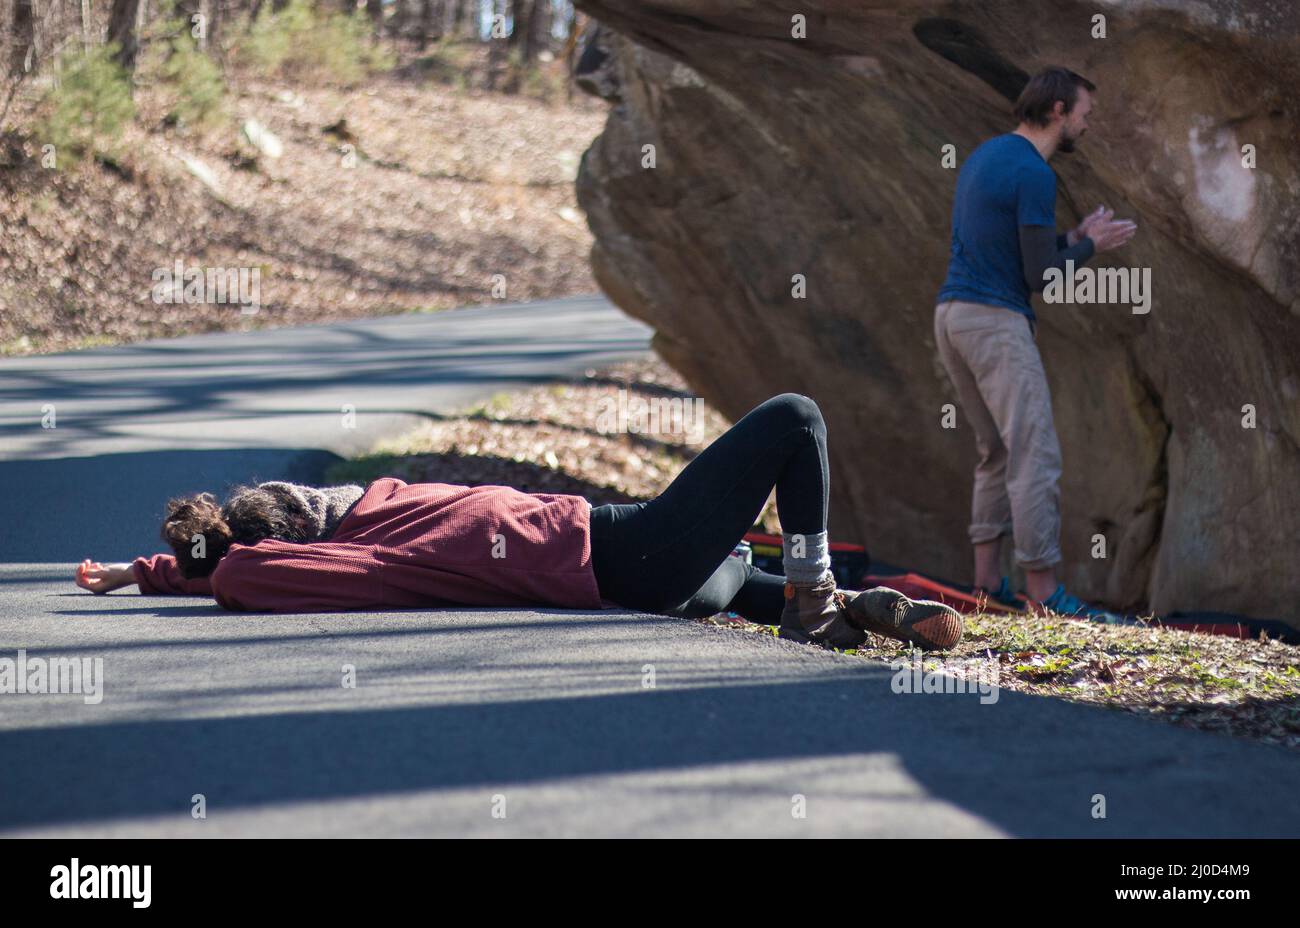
(1064,604)
(817,613)
(923,622)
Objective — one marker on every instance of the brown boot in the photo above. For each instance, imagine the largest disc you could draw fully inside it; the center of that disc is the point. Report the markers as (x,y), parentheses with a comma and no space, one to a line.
(817,613)
(933,626)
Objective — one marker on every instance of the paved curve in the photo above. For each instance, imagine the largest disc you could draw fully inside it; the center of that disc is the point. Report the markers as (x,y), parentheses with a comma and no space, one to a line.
(569,723)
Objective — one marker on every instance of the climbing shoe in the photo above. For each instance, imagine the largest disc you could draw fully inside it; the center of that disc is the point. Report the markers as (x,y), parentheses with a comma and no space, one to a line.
(1003,595)
(1062,603)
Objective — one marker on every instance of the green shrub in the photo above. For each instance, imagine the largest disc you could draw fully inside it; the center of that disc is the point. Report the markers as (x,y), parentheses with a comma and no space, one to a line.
(271,35)
(303,44)
(200,89)
(90,105)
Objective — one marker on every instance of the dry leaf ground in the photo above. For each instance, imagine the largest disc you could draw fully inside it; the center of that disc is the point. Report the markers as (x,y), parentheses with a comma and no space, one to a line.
(422,194)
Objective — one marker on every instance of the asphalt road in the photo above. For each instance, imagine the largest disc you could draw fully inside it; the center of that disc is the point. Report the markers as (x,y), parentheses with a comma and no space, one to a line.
(471,722)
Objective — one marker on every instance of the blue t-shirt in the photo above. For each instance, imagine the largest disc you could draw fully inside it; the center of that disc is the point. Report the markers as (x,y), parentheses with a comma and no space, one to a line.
(1004,184)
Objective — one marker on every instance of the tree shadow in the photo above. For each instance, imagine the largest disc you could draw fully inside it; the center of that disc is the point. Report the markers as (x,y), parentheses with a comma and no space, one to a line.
(1156,781)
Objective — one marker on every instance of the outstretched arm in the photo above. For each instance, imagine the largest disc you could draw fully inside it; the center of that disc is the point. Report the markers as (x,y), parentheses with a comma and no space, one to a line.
(160,574)
(156,574)
(280,576)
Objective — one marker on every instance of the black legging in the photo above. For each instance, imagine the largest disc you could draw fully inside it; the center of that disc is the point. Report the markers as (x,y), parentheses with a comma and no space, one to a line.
(671,554)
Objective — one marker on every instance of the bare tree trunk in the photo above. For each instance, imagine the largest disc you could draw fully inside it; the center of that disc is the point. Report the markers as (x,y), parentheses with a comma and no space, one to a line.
(38,31)
(461,16)
(216,19)
(570,52)
(432,14)
(545,24)
(6,32)
(533,37)
(518,15)
(498,50)
(122,22)
(85,24)
(415,20)
(22,31)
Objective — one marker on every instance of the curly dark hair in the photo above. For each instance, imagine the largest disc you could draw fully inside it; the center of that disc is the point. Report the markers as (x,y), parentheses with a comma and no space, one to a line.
(249,515)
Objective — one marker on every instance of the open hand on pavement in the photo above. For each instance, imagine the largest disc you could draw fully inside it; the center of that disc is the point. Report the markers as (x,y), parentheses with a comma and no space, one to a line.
(100,578)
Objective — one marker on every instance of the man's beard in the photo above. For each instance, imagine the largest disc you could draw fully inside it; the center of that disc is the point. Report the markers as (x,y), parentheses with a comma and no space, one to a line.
(1066,145)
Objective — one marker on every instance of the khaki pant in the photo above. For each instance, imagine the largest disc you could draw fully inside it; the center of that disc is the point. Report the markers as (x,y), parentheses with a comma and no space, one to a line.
(992,359)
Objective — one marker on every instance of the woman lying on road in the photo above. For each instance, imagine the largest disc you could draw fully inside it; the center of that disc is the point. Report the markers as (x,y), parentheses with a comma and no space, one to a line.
(281,547)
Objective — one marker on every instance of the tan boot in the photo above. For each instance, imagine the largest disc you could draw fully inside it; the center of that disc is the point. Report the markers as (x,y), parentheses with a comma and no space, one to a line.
(817,613)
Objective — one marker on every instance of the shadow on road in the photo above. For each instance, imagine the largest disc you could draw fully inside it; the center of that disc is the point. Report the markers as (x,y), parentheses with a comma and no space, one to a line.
(252,760)
(111,507)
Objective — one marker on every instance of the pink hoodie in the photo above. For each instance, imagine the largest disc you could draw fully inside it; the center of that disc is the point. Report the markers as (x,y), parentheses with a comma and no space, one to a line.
(419,544)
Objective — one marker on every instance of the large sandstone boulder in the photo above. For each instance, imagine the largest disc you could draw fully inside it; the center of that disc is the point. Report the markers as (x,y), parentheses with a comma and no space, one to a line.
(822,157)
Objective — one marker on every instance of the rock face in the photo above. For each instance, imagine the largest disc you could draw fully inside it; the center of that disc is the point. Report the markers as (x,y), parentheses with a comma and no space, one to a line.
(820,159)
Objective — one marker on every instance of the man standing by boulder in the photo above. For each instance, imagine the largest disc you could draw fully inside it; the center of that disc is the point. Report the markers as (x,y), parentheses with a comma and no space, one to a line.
(1004,242)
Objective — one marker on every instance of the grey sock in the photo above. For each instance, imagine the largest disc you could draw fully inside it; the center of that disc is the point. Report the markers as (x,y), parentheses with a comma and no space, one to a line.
(815,559)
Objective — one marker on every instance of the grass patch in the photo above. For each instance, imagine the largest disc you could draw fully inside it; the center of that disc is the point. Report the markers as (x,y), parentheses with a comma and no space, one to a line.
(1243,687)
(362,470)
